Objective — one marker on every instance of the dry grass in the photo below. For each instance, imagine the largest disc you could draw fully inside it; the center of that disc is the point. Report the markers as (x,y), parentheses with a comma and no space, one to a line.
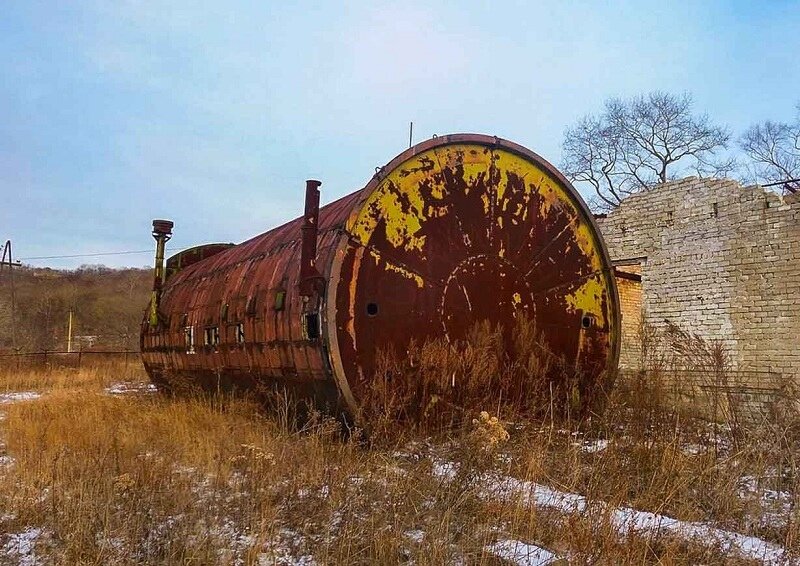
(63,373)
(139,478)
(439,384)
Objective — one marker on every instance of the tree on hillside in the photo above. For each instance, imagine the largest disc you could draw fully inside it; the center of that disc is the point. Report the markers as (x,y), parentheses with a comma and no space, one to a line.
(773,152)
(636,143)
(107,303)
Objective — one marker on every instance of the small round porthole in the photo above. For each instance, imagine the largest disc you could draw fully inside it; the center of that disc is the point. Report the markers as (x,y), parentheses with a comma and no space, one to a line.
(372,309)
(586,321)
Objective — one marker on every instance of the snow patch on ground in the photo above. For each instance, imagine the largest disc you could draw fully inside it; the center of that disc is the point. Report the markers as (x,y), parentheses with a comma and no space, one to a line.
(626,519)
(284,550)
(694,449)
(21,546)
(235,543)
(592,446)
(17,396)
(774,505)
(444,470)
(522,554)
(128,387)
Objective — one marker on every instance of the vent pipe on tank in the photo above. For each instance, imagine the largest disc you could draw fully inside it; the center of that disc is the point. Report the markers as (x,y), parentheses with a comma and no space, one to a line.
(162,231)
(309,276)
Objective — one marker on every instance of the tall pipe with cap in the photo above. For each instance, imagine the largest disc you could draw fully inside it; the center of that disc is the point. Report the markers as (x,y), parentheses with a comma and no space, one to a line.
(162,232)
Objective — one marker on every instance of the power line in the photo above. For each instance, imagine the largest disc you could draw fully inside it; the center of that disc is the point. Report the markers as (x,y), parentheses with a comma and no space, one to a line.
(85,255)
(98,254)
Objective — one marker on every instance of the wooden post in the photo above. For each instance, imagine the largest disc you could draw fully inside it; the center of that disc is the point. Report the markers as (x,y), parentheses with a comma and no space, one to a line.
(69,333)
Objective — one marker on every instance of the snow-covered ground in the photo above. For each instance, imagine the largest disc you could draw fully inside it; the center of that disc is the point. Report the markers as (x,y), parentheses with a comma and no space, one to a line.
(592,446)
(627,520)
(21,547)
(17,396)
(286,547)
(127,387)
(522,553)
(8,398)
(118,388)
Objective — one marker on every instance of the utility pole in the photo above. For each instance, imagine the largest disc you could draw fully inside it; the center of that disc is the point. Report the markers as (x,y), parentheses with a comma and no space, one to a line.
(69,333)
(7,263)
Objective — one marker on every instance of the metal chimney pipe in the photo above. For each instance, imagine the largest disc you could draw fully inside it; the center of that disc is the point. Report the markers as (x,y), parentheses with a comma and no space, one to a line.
(162,232)
(308,254)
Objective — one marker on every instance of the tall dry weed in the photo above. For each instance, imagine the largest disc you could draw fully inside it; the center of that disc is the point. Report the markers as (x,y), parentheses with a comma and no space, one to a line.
(437,385)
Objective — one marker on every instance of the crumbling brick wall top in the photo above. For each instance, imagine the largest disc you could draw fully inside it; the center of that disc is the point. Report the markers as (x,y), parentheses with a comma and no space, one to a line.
(720,260)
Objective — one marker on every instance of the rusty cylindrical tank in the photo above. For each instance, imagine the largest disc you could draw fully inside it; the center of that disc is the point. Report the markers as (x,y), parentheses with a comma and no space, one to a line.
(455,230)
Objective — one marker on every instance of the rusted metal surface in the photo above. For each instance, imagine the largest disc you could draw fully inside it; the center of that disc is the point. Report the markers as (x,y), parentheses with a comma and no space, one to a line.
(453,231)
(191,256)
(310,278)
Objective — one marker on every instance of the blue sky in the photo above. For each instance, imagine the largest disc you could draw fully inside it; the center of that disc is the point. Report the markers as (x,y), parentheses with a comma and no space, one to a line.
(214,114)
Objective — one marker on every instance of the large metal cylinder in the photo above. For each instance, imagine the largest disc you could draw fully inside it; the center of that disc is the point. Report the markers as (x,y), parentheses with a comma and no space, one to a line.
(455,230)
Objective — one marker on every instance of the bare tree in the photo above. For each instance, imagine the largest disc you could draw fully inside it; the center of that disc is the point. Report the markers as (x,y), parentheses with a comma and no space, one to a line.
(638,142)
(773,150)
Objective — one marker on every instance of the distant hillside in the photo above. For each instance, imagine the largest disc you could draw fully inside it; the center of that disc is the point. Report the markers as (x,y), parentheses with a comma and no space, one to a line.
(107,304)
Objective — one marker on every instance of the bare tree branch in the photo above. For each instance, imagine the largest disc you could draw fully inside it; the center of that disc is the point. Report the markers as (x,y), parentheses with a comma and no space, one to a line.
(637,143)
(773,151)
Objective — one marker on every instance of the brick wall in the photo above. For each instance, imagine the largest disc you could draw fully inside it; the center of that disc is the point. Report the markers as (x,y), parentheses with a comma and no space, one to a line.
(719,260)
(630,305)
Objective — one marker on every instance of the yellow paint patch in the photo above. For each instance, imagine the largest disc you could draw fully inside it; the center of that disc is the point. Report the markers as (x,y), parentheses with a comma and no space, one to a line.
(554,199)
(487,203)
(351,331)
(589,298)
(406,273)
(398,201)
(403,220)
(389,266)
